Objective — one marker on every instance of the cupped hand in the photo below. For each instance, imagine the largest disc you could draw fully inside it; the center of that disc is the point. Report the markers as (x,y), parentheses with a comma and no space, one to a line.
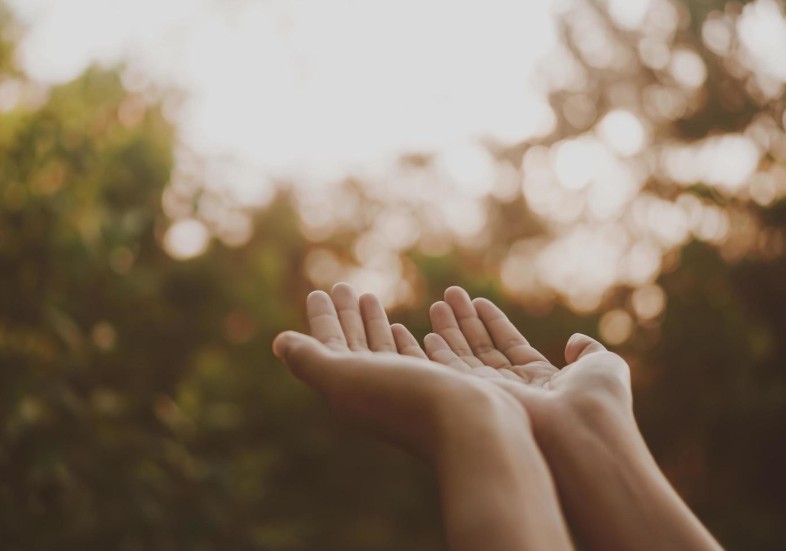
(373,375)
(582,417)
(476,337)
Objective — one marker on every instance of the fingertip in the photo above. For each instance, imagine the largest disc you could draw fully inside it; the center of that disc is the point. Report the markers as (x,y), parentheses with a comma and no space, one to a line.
(579,345)
(371,306)
(486,304)
(432,339)
(455,291)
(284,342)
(437,306)
(487,309)
(317,298)
(428,344)
(316,293)
(343,295)
(342,287)
(368,298)
(399,331)
(280,345)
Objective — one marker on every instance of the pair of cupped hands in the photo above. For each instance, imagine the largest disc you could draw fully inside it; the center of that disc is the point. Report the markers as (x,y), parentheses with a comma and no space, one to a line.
(518,444)
(474,368)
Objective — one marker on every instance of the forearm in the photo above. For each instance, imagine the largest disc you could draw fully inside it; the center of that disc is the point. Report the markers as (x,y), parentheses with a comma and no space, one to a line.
(612,488)
(497,494)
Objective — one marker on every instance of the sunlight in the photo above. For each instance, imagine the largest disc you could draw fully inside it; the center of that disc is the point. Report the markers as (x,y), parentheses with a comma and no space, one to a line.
(615,327)
(623,132)
(577,162)
(629,14)
(648,302)
(426,110)
(762,31)
(726,161)
(186,239)
(277,85)
(688,68)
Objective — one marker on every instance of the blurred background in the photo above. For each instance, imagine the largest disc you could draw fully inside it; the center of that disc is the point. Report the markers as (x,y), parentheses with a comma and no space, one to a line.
(176,175)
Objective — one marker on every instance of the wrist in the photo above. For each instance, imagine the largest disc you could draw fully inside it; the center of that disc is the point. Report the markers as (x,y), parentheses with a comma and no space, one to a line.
(566,421)
(584,433)
(480,420)
(495,459)
(611,485)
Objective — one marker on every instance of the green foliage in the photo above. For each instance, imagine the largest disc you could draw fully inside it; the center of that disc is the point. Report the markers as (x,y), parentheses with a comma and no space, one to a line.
(141,406)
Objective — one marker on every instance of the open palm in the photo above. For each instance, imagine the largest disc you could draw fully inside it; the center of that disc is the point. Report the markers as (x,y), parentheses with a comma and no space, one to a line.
(358,362)
(477,337)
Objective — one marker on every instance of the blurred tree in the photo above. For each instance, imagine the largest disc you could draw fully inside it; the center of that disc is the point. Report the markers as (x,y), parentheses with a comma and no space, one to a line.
(141,408)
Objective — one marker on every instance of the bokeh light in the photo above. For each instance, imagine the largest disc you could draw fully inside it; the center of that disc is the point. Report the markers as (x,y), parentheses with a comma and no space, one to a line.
(291,122)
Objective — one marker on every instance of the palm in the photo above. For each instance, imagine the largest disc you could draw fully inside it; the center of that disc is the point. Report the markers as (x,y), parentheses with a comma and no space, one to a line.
(477,337)
(377,375)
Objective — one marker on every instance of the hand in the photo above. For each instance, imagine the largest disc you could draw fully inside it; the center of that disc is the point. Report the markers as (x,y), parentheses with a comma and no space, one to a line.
(583,419)
(477,337)
(351,358)
(497,492)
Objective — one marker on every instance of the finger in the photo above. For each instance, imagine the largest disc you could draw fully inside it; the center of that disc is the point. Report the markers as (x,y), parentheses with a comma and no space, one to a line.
(438,350)
(323,321)
(406,343)
(580,345)
(307,358)
(375,320)
(444,323)
(473,329)
(506,337)
(346,303)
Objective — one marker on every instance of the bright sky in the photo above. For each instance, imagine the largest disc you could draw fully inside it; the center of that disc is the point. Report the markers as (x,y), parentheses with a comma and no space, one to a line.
(318,87)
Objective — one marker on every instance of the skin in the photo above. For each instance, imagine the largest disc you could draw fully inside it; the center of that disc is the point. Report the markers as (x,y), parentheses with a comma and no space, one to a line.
(583,421)
(497,492)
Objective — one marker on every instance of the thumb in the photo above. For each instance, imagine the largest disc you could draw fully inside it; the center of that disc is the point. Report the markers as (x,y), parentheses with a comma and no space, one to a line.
(579,345)
(306,357)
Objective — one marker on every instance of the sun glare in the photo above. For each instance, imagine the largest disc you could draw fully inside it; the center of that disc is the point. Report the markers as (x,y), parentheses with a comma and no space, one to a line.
(415,99)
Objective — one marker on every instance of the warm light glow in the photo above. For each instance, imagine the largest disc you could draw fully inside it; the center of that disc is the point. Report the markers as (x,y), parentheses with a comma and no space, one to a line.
(688,68)
(762,31)
(615,327)
(623,132)
(330,85)
(468,168)
(577,161)
(323,268)
(430,107)
(717,34)
(186,239)
(648,302)
(726,161)
(582,263)
(629,14)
